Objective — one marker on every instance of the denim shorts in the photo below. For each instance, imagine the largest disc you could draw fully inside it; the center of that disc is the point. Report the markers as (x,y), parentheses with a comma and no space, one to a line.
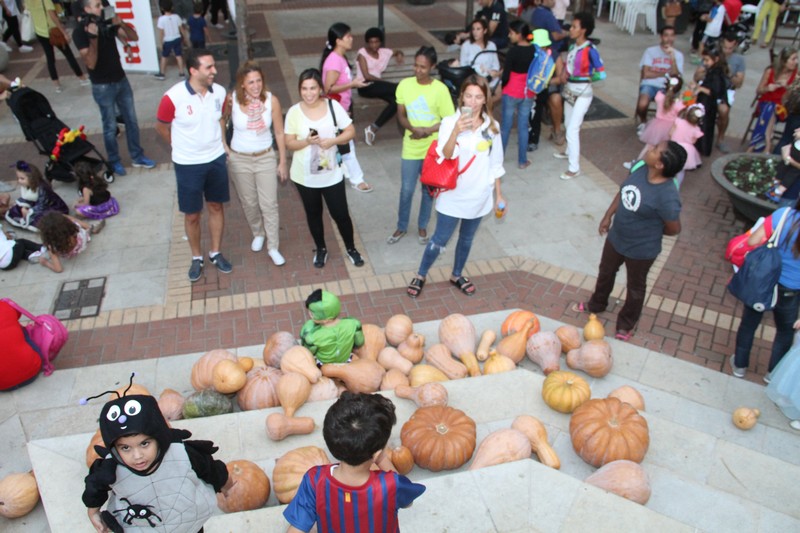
(209,180)
(172,46)
(649,90)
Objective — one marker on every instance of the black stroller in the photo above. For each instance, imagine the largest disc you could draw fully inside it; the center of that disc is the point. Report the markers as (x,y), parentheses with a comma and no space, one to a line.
(743,28)
(40,125)
(453,77)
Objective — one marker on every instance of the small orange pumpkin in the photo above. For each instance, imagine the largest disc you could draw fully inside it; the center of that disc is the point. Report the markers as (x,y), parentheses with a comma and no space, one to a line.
(604,430)
(171,404)
(19,494)
(439,437)
(228,377)
(203,368)
(249,489)
(516,321)
(91,454)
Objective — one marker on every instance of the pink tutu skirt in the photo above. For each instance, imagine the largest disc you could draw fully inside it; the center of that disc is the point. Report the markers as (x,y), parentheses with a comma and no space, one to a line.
(656,131)
(693,159)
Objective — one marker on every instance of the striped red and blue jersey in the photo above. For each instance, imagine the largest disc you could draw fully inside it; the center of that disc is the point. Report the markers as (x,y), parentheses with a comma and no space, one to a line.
(339,508)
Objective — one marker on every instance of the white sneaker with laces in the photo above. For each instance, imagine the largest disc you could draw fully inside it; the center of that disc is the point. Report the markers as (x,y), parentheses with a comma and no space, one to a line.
(258,244)
(276,257)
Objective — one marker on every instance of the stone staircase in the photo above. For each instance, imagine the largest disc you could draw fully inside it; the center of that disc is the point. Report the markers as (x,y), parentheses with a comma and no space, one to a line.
(706,475)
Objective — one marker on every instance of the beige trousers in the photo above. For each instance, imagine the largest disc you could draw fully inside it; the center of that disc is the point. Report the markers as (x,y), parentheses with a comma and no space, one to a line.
(256,182)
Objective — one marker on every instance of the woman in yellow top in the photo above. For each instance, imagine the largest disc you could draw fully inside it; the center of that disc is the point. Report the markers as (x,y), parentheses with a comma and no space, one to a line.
(44,17)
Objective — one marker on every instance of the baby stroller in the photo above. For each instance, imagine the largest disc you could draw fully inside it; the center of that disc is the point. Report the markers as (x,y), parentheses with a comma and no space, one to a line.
(743,27)
(40,125)
(453,77)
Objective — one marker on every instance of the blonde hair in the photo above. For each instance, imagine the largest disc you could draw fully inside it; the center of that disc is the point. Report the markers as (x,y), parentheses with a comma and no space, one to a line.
(480,82)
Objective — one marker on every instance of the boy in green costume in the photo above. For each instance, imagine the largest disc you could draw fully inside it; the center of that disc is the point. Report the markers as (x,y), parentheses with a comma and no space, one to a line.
(331,339)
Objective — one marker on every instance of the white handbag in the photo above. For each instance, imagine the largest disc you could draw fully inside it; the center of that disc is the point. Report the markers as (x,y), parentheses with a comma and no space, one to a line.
(26,30)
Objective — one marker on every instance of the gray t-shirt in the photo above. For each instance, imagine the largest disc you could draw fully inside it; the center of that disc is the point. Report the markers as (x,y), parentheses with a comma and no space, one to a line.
(736,64)
(655,58)
(643,209)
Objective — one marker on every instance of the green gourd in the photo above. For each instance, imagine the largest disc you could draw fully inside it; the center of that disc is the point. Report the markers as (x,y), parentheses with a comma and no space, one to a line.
(206,403)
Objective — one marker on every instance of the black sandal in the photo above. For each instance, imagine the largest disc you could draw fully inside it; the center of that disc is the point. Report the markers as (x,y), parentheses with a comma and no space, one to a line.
(464,285)
(415,287)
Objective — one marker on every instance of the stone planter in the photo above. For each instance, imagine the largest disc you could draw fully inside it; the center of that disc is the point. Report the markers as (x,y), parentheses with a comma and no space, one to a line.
(749,206)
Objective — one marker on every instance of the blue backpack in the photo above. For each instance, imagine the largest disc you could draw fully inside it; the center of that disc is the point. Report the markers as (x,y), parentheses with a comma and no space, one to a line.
(540,70)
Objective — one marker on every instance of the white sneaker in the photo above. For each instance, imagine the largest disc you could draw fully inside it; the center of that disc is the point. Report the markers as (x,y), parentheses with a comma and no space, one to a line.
(258,244)
(795,424)
(737,372)
(369,135)
(767,378)
(627,164)
(560,155)
(5,45)
(276,257)
(640,128)
(25,49)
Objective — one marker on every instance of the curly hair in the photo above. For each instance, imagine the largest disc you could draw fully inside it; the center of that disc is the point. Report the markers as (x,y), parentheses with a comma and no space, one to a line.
(58,232)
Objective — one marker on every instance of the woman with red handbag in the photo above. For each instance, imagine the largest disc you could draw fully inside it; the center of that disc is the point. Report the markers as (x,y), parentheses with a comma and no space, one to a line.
(472,137)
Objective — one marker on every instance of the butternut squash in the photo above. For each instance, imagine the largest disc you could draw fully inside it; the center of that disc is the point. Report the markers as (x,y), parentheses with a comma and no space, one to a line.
(501,446)
(569,336)
(623,478)
(299,359)
(484,345)
(537,435)
(363,375)
(593,330)
(392,378)
(423,373)
(280,426)
(594,358)
(425,395)
(390,358)
(513,346)
(374,342)
(439,356)
(412,348)
(293,391)
(544,349)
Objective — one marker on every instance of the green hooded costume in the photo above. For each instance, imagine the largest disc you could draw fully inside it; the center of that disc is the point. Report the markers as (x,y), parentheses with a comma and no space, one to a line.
(329,343)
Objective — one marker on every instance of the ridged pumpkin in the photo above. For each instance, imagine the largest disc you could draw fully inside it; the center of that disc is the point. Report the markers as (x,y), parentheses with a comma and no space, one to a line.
(290,468)
(260,390)
(203,368)
(623,478)
(276,346)
(250,489)
(605,430)
(516,320)
(439,437)
(564,391)
(19,494)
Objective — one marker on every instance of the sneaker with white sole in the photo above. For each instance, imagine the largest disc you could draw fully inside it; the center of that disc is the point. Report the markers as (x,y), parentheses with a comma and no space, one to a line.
(276,257)
(560,155)
(355,257)
(222,264)
(795,424)
(25,49)
(258,243)
(320,257)
(738,372)
(369,135)
(38,255)
(767,378)
(569,175)
(143,162)
(195,270)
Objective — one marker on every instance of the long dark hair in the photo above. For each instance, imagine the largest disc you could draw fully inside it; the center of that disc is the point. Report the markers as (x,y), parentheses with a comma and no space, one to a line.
(87,179)
(309,74)
(337,31)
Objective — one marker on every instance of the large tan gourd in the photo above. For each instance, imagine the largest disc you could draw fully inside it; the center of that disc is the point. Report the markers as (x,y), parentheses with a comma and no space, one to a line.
(362,375)
(629,395)
(423,373)
(324,389)
(412,348)
(393,378)
(439,356)
(228,377)
(290,468)
(293,391)
(458,333)
(19,494)
(280,426)
(501,446)
(299,359)
(485,344)
(593,357)
(513,345)
(390,358)
(570,338)
(398,328)
(425,395)
(623,478)
(249,489)
(533,428)
(544,349)
(374,342)
(170,403)
(497,363)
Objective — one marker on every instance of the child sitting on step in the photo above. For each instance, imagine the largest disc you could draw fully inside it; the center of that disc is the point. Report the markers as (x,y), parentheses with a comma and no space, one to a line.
(329,338)
(63,236)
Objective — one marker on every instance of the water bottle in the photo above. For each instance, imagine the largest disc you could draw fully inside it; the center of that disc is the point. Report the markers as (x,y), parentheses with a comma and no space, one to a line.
(500,212)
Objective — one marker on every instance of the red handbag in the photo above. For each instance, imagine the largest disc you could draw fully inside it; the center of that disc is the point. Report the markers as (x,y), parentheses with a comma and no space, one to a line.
(738,248)
(439,173)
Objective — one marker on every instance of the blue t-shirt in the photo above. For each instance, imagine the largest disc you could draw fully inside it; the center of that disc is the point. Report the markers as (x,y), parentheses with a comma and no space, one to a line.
(790,265)
(196,29)
(643,209)
(542,18)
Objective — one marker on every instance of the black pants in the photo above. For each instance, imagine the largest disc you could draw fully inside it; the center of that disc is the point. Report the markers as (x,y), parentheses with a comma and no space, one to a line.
(336,200)
(50,54)
(13,29)
(385,91)
(536,120)
(21,250)
(216,6)
(637,270)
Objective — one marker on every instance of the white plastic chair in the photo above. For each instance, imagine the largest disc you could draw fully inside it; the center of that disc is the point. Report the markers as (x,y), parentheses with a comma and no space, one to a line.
(646,8)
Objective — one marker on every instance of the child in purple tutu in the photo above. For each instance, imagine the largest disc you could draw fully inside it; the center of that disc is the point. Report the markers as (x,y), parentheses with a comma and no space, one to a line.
(668,105)
(36,198)
(685,132)
(94,201)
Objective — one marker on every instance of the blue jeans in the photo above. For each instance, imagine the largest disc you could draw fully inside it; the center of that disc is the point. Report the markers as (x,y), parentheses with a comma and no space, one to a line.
(445,226)
(111,97)
(523,108)
(409,174)
(785,314)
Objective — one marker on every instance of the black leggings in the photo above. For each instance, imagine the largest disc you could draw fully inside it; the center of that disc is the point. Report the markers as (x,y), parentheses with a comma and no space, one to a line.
(535,121)
(216,7)
(21,250)
(51,58)
(385,91)
(336,200)
(13,29)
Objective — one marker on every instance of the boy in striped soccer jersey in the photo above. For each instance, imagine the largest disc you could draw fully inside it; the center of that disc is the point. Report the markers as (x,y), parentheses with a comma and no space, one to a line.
(348,496)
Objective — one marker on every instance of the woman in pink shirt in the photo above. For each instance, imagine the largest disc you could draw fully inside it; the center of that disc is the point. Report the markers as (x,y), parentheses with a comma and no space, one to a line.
(338,85)
(371,61)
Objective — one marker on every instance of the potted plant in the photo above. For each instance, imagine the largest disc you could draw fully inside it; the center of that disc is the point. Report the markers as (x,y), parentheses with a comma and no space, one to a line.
(746,177)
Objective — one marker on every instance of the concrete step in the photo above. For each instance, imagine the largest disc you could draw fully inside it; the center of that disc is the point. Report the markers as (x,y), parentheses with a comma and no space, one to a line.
(705,472)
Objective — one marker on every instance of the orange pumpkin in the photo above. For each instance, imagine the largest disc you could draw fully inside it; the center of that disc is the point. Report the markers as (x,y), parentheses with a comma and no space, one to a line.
(605,430)
(402,460)
(250,488)
(91,455)
(290,468)
(439,437)
(203,368)
(228,377)
(260,391)
(516,321)
(19,494)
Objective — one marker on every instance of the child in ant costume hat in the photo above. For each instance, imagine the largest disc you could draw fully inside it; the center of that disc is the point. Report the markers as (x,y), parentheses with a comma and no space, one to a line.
(152,477)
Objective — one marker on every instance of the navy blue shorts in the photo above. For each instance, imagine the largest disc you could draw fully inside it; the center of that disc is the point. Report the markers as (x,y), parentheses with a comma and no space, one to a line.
(172,46)
(206,180)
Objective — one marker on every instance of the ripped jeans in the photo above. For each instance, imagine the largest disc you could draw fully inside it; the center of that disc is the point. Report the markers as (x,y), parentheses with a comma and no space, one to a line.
(445,226)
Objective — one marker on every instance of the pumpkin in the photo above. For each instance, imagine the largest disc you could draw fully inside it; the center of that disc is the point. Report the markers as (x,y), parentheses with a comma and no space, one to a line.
(569,336)
(91,454)
(423,373)
(398,328)
(290,468)
(203,368)
(393,378)
(605,430)
(374,342)
(593,330)
(389,358)
(293,390)
(402,459)
(534,430)
(259,391)
(629,395)
(247,364)
(544,349)
(249,488)
(299,359)
(501,446)
(362,375)
(276,346)
(623,478)
(485,344)
(439,437)
(439,356)
(324,389)
(425,395)
(564,391)
(280,426)
(383,462)
(129,390)
(412,347)
(171,404)
(206,403)
(498,363)
(745,418)
(517,320)
(19,494)
(514,345)
(594,358)
(228,377)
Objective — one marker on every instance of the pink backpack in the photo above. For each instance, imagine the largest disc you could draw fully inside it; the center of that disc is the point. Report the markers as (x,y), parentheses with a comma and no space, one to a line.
(46,332)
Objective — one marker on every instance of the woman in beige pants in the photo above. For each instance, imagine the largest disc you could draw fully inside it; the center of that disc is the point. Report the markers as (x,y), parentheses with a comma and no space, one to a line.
(251,156)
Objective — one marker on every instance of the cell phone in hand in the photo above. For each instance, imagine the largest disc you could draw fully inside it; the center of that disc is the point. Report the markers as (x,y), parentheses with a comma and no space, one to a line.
(312,132)
(466,112)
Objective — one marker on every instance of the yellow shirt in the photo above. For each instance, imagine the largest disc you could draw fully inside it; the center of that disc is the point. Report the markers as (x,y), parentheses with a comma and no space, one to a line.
(41,20)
